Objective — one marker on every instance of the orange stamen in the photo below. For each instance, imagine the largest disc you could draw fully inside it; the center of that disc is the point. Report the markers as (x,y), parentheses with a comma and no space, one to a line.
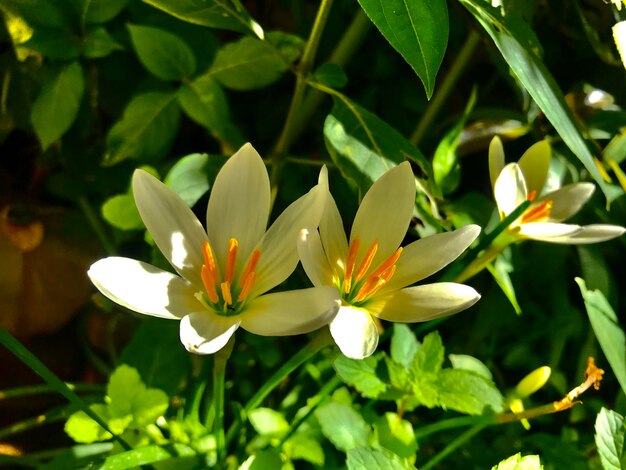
(352,252)
(372,285)
(231,257)
(538,213)
(209,272)
(385,265)
(226,295)
(247,284)
(254,259)
(367,261)
(531,195)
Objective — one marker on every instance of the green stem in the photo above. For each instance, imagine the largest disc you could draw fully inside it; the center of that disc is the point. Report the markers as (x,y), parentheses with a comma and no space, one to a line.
(219,377)
(451,423)
(19,392)
(455,444)
(446,87)
(96,226)
(51,416)
(306,62)
(319,342)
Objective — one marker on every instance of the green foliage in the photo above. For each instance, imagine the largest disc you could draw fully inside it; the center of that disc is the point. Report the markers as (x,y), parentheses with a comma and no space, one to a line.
(369,458)
(610,432)
(343,426)
(517,462)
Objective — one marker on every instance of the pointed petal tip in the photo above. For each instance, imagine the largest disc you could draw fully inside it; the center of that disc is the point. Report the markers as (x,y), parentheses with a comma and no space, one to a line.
(202,334)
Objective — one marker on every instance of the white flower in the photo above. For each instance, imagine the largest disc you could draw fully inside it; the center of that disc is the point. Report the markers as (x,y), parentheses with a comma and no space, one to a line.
(371,271)
(523,181)
(222,274)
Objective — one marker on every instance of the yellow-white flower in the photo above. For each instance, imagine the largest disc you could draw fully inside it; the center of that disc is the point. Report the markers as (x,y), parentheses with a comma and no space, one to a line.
(371,271)
(222,272)
(523,181)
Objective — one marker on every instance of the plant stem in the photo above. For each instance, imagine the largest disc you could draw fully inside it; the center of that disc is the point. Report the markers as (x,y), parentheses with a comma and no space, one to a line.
(96,225)
(304,67)
(19,392)
(451,424)
(219,377)
(319,342)
(452,446)
(448,84)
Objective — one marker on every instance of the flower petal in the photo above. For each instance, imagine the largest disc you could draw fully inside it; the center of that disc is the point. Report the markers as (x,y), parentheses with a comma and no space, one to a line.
(239,205)
(206,332)
(143,288)
(568,200)
(422,303)
(496,159)
(173,226)
(291,312)
(313,258)
(510,189)
(279,251)
(428,255)
(385,213)
(355,332)
(333,237)
(535,164)
(588,234)
(548,231)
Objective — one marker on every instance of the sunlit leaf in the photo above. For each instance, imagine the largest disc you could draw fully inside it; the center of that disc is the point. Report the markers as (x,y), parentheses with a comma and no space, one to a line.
(396,434)
(429,356)
(370,458)
(343,426)
(404,344)
(268,422)
(361,374)
(467,362)
(467,392)
(517,462)
(135,458)
(121,212)
(610,431)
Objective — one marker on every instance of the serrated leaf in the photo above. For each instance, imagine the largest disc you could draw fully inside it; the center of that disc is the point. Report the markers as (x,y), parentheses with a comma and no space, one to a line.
(251,63)
(121,212)
(188,178)
(515,41)
(404,344)
(223,14)
(466,362)
(85,430)
(343,426)
(363,146)
(429,356)
(370,458)
(146,130)
(164,54)
(609,438)
(396,434)
(606,327)
(268,422)
(517,462)
(148,406)
(467,392)
(417,29)
(361,374)
(56,107)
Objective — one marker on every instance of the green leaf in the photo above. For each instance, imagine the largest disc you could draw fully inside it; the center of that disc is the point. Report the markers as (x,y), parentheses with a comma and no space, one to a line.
(99,43)
(361,374)
(331,75)
(363,146)
(500,271)
(404,345)
(55,109)
(135,458)
(84,429)
(467,392)
(429,356)
(251,63)
(188,178)
(102,11)
(225,14)
(164,54)
(515,40)
(370,458)
(268,422)
(517,462)
(269,459)
(146,130)
(606,327)
(466,362)
(417,29)
(121,212)
(343,426)
(609,437)
(396,434)
(302,447)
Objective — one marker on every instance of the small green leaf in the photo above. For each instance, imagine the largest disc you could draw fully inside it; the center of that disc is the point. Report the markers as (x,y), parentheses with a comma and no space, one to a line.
(404,345)
(135,458)
(331,75)
(466,362)
(268,422)
(370,458)
(610,431)
(417,29)
(517,462)
(188,178)
(302,447)
(55,109)
(429,356)
(164,54)
(361,374)
(146,130)
(102,11)
(269,459)
(396,434)
(85,430)
(121,212)
(99,43)
(467,392)
(606,327)
(343,426)
(250,63)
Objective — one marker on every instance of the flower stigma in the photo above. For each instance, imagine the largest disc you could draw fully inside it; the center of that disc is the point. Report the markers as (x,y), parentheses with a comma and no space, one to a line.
(226,296)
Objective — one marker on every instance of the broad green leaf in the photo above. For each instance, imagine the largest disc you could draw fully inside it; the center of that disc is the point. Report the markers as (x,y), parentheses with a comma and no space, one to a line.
(512,37)
(268,422)
(610,430)
(361,374)
(370,458)
(467,392)
(251,63)
(466,362)
(363,146)
(301,446)
(343,426)
(121,212)
(135,458)
(55,109)
(85,430)
(99,43)
(606,327)
(417,29)
(331,75)
(225,14)
(164,54)
(396,434)
(146,130)
(269,459)
(102,11)
(404,345)
(517,462)
(188,177)
(429,356)
(56,44)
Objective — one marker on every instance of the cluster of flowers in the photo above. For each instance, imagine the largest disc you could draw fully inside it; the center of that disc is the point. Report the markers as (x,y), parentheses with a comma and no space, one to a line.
(226,272)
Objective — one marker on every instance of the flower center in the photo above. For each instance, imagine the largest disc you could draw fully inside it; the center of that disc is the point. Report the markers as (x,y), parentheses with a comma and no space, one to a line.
(356,286)
(536,213)
(227,294)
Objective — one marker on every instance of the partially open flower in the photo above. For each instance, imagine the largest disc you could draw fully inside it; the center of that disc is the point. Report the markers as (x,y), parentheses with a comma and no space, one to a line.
(524,181)
(371,271)
(222,274)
